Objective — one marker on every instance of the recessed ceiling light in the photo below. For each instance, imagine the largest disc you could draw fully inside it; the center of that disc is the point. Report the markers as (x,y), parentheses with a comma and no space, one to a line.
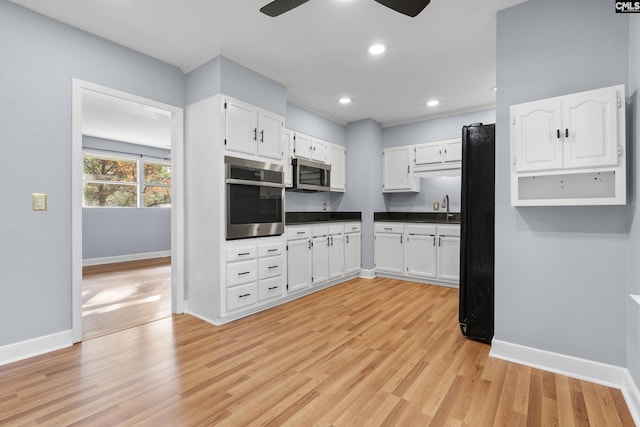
(377,49)
(345,100)
(433,103)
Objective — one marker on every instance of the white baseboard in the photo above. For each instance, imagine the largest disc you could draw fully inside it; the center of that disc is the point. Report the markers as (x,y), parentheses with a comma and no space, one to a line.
(631,394)
(367,274)
(35,347)
(125,258)
(575,367)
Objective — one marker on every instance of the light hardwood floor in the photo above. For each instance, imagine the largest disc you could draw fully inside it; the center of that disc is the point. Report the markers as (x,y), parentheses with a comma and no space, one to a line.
(121,295)
(365,353)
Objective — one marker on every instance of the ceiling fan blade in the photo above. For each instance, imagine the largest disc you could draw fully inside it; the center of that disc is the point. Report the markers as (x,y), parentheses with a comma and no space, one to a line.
(278,7)
(407,7)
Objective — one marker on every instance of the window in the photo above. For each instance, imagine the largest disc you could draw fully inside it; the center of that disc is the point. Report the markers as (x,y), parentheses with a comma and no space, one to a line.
(114,181)
(157,185)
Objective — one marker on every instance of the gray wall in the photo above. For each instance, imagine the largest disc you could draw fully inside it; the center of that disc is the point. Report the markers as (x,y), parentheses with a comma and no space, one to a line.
(364,185)
(110,232)
(39,59)
(561,272)
(633,89)
(222,75)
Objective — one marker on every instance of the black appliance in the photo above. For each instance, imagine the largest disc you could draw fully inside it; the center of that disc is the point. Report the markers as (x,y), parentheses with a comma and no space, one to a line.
(255,198)
(309,175)
(476,309)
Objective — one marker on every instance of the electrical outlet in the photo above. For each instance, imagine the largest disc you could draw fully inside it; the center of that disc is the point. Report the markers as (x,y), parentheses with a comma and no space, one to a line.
(39,202)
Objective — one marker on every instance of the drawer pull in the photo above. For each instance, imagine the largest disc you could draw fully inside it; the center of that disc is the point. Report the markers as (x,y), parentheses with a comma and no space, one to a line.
(388,228)
(301,232)
(271,267)
(244,295)
(273,287)
(354,228)
(243,273)
(244,253)
(272,250)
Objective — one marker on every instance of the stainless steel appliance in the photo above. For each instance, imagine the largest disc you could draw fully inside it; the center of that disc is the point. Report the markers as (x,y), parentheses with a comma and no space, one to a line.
(311,176)
(255,198)
(477,232)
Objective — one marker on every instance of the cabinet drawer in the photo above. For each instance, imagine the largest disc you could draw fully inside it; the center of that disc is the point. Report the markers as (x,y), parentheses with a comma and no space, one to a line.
(241,296)
(336,228)
(270,250)
(352,228)
(320,230)
(389,228)
(241,272)
(421,229)
(298,233)
(270,267)
(237,254)
(449,230)
(270,288)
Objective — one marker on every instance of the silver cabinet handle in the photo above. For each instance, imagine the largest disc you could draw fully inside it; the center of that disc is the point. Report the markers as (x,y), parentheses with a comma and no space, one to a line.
(244,295)
(244,253)
(271,267)
(243,273)
(401,236)
(272,288)
(272,250)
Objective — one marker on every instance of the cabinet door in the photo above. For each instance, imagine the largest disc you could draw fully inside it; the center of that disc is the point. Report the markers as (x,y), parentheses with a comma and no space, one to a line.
(299,265)
(352,242)
(287,148)
(241,131)
(428,153)
(396,169)
(302,146)
(270,135)
(449,259)
(389,253)
(336,255)
(536,144)
(319,150)
(590,129)
(421,255)
(452,150)
(336,158)
(320,269)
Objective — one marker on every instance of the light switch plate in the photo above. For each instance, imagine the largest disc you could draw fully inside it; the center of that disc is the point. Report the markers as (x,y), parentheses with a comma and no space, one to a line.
(39,202)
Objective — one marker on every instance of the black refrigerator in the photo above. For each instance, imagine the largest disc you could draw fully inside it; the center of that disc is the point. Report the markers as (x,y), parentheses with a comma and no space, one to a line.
(477,232)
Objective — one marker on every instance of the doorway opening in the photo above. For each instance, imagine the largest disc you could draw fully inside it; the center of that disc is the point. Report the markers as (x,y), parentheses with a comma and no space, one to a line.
(127,251)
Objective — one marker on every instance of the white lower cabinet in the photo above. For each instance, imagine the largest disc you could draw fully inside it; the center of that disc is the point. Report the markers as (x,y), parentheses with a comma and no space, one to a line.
(254,273)
(352,248)
(426,252)
(322,254)
(298,259)
(421,251)
(389,248)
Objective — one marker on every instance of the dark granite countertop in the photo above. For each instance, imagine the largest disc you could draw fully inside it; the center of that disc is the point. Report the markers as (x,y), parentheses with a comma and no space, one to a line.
(292,218)
(432,217)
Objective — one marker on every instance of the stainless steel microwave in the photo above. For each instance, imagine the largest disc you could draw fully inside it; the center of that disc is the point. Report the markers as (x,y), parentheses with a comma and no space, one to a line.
(255,198)
(311,176)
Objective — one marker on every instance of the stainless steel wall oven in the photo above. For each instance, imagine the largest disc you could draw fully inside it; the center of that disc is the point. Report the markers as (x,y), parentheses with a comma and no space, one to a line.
(255,198)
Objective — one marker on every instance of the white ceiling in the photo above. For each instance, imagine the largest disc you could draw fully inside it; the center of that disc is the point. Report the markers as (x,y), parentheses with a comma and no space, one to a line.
(318,50)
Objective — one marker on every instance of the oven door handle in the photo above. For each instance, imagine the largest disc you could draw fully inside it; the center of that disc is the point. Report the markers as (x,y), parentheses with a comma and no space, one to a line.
(254,183)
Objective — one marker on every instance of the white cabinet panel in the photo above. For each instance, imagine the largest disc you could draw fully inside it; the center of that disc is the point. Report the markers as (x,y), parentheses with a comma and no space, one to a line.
(269,135)
(270,267)
(421,252)
(389,252)
(336,157)
(336,255)
(241,128)
(241,272)
(302,146)
(396,170)
(352,252)
(270,289)
(320,257)
(241,296)
(299,265)
(449,259)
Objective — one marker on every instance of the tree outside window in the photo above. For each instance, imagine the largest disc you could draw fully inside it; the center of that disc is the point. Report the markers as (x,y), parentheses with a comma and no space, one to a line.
(115,182)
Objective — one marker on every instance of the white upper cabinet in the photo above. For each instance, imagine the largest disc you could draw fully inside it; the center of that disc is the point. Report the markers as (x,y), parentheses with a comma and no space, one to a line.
(319,150)
(336,157)
(569,150)
(310,148)
(396,170)
(251,130)
(438,153)
(573,131)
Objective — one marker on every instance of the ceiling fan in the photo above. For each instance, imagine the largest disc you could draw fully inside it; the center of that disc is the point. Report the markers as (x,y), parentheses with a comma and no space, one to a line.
(407,7)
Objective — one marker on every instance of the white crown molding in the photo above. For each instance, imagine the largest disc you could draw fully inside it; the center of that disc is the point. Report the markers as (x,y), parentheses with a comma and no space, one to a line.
(200,59)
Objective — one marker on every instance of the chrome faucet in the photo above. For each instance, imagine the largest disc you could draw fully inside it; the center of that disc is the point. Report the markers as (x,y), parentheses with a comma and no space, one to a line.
(445,203)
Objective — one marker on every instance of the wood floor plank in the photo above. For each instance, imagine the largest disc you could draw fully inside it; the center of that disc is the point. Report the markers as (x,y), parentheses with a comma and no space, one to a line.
(365,353)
